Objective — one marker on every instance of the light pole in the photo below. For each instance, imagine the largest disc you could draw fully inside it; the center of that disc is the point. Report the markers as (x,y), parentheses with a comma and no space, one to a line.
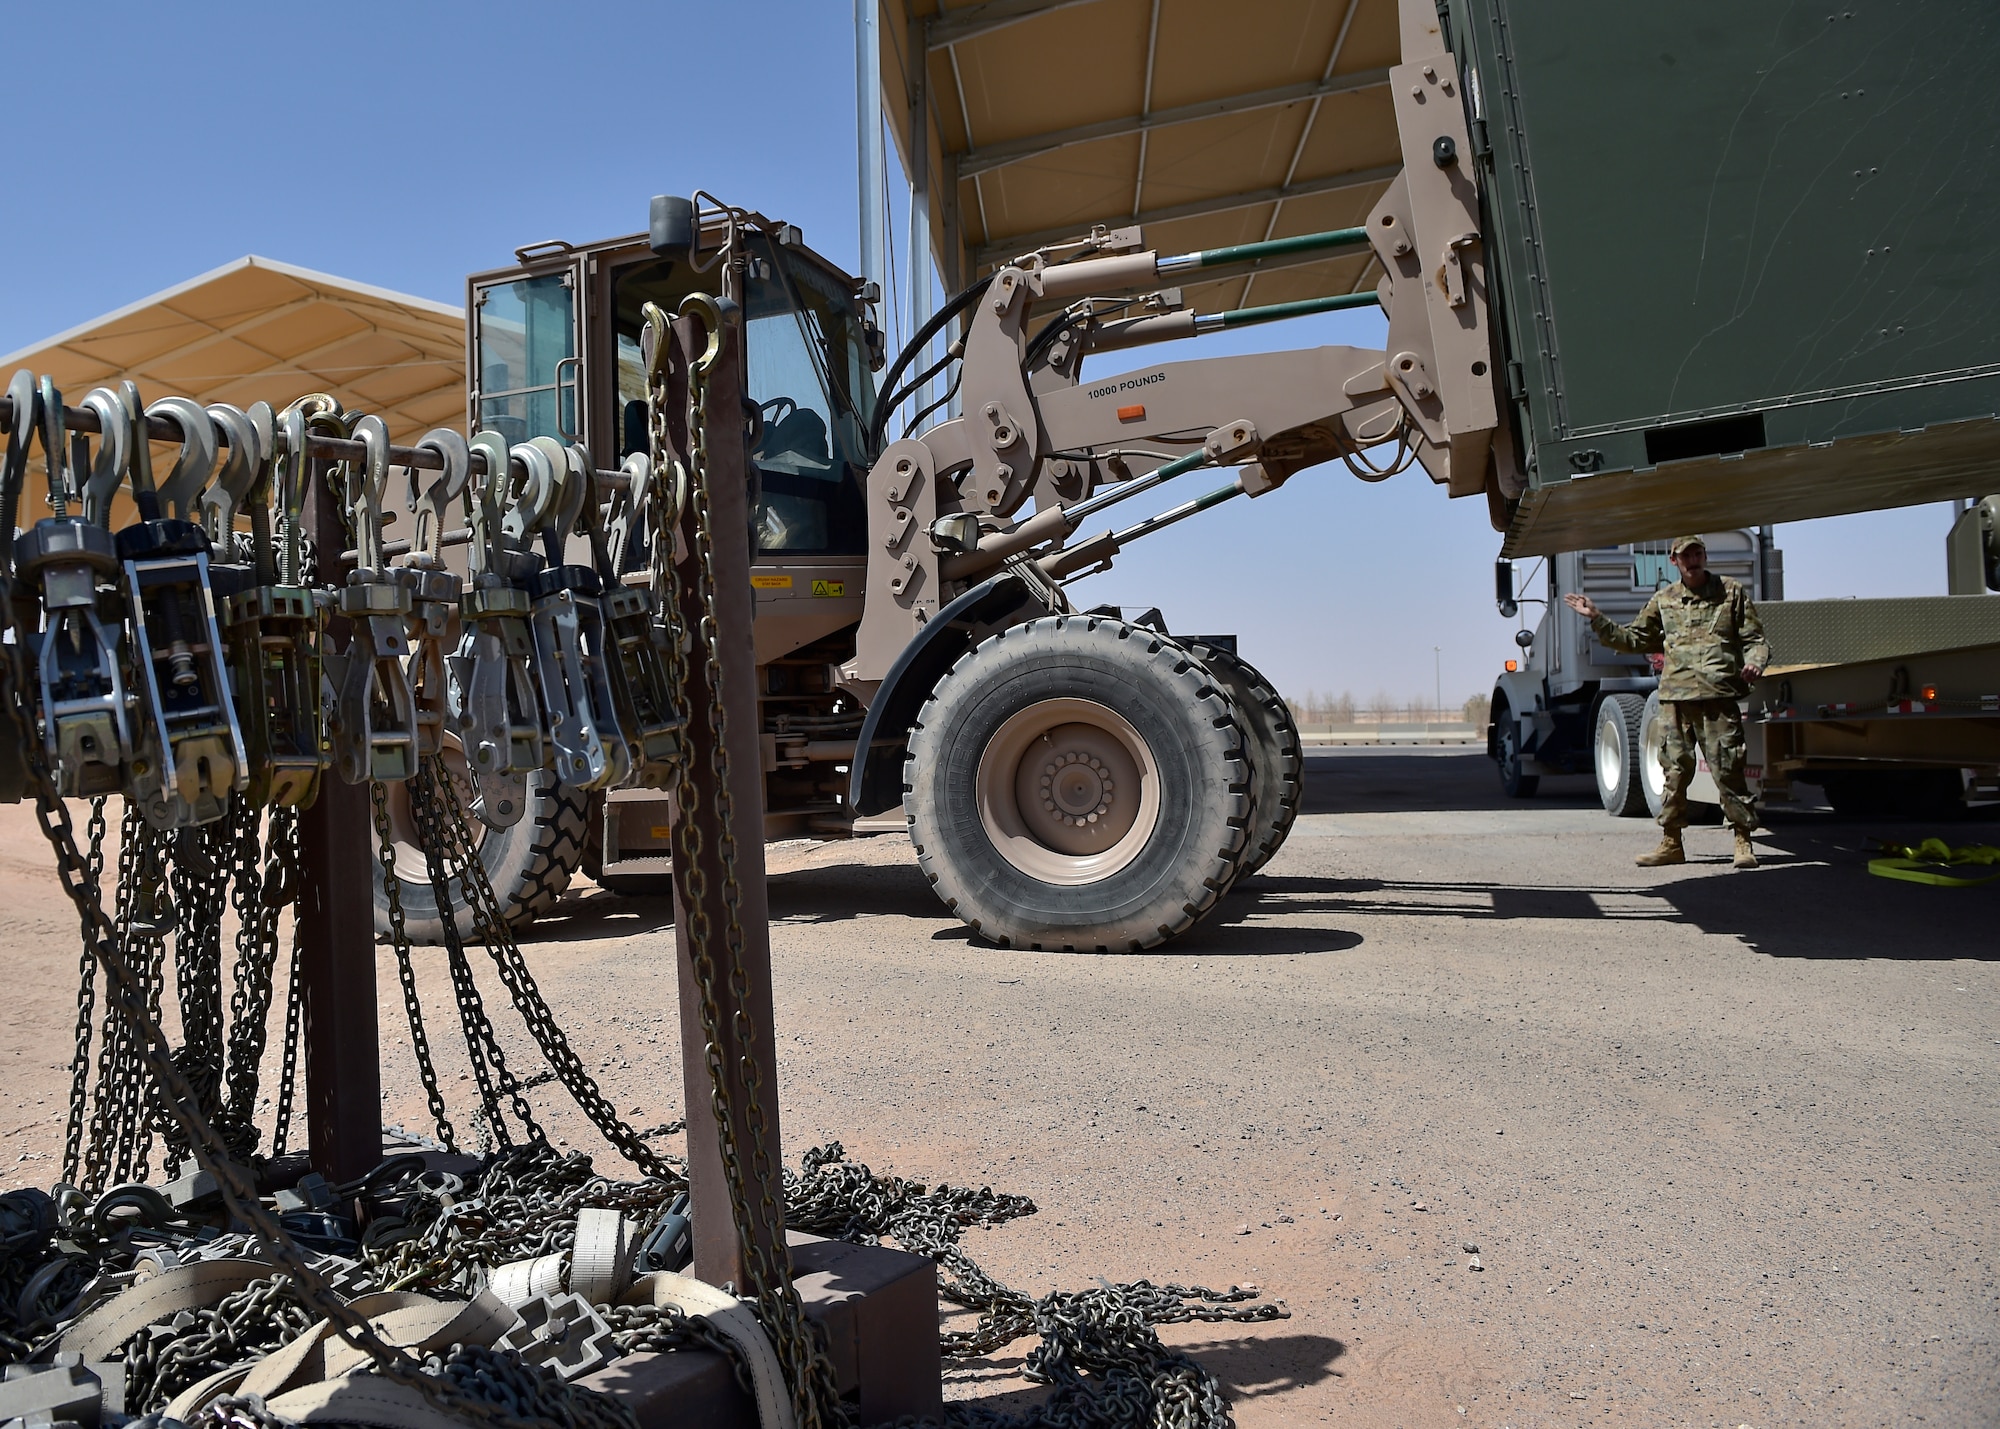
(1437,678)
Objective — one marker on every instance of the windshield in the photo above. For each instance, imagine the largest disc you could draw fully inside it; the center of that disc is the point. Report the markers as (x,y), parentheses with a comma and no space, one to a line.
(527,331)
(807,373)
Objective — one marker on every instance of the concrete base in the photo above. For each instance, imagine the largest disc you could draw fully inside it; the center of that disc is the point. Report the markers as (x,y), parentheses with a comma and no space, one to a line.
(879,1309)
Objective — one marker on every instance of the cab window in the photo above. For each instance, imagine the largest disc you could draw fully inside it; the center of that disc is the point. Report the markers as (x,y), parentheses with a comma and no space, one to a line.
(803,371)
(527,331)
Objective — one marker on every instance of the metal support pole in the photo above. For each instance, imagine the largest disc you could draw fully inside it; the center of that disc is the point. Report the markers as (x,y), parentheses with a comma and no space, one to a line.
(920,191)
(717,1256)
(871,162)
(336,922)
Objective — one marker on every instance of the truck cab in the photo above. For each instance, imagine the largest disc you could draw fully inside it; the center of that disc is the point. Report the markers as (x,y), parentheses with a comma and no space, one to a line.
(552,344)
(1570,703)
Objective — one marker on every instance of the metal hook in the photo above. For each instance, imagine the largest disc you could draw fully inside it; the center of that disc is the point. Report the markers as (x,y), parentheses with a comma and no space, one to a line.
(530,505)
(573,483)
(140,451)
(54,441)
(364,497)
(486,501)
(239,472)
(21,392)
(196,463)
(427,539)
(114,451)
(710,313)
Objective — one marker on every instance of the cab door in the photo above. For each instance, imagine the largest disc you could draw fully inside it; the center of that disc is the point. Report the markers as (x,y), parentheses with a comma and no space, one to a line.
(524,365)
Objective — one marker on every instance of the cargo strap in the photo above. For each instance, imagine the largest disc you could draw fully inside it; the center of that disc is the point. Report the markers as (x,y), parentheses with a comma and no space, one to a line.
(735,1322)
(104,1331)
(1925,862)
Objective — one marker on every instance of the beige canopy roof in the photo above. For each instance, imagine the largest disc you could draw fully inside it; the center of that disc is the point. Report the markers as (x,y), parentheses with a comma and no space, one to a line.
(258,329)
(1207,123)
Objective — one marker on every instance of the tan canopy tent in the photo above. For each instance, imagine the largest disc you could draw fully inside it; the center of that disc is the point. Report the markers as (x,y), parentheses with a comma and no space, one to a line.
(255,330)
(1207,123)
(258,329)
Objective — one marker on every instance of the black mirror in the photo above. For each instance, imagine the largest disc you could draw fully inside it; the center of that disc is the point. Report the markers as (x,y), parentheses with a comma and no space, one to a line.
(672,231)
(1503,589)
(1524,638)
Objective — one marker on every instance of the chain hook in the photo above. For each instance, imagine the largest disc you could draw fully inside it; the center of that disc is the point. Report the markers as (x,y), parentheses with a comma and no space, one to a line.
(427,540)
(195,465)
(114,453)
(701,305)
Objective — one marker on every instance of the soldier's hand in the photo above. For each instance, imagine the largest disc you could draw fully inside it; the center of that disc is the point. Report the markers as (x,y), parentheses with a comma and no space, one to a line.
(1583,605)
(1751,672)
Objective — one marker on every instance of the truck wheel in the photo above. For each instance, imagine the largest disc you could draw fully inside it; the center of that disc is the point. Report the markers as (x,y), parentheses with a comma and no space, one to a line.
(529,864)
(1616,749)
(1078,783)
(1277,764)
(1513,783)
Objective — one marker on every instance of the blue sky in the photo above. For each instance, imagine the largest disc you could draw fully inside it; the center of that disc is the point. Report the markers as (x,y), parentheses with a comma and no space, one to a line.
(407,145)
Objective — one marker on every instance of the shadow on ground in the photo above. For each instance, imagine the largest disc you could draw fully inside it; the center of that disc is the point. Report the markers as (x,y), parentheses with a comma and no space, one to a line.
(1813,898)
(1364,781)
(1247,1368)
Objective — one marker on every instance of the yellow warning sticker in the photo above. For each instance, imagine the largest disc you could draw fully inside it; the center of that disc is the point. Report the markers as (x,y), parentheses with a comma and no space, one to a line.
(823,588)
(772,582)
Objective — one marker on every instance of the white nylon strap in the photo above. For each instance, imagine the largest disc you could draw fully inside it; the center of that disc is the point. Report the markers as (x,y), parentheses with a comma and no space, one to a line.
(733,1319)
(519,1281)
(600,1266)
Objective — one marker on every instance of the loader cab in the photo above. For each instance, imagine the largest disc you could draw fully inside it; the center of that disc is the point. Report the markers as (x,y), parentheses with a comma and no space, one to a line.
(553,350)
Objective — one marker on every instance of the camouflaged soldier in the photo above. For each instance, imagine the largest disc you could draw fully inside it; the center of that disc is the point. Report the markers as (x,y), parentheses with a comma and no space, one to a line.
(1708,630)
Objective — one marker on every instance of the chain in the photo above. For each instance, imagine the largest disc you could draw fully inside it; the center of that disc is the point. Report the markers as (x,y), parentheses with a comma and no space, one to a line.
(197,875)
(420,1042)
(164,1359)
(86,1003)
(489,1063)
(127,992)
(1098,1347)
(448,831)
(285,856)
(807,1371)
(265,885)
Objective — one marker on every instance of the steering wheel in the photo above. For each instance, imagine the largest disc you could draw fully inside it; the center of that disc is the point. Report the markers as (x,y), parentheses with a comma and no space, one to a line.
(786,403)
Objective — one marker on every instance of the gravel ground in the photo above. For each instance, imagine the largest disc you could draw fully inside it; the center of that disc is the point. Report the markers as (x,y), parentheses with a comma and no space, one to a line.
(1724,1142)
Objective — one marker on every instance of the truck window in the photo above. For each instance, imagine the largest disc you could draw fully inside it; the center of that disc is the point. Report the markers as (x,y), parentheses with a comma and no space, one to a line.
(804,370)
(801,346)
(526,328)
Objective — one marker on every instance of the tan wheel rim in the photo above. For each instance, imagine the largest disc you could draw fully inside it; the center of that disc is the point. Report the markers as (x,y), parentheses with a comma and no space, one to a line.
(1068,791)
(411,865)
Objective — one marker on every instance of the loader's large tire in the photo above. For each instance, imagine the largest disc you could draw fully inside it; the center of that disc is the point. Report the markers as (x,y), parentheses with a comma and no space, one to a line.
(1277,763)
(528,864)
(1078,783)
(1615,755)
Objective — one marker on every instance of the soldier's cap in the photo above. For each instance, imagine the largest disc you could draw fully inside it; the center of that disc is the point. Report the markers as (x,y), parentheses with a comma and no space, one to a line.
(1681,543)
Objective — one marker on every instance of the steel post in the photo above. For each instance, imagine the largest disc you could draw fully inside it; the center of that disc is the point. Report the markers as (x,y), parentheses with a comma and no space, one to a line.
(336,923)
(717,1255)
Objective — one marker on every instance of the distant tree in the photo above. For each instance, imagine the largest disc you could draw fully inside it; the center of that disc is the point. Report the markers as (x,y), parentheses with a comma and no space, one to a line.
(1478,709)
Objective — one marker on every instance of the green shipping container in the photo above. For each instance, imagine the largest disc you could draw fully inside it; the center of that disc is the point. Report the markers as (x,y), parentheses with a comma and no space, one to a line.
(1742,256)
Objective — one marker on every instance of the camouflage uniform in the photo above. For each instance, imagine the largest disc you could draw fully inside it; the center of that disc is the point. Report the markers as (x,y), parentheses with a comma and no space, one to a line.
(1707,636)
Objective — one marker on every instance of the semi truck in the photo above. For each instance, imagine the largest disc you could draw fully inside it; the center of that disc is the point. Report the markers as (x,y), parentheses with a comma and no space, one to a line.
(1888,706)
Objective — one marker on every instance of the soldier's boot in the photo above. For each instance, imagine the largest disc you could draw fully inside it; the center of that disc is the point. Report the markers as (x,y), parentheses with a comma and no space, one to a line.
(1746,856)
(1669,851)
